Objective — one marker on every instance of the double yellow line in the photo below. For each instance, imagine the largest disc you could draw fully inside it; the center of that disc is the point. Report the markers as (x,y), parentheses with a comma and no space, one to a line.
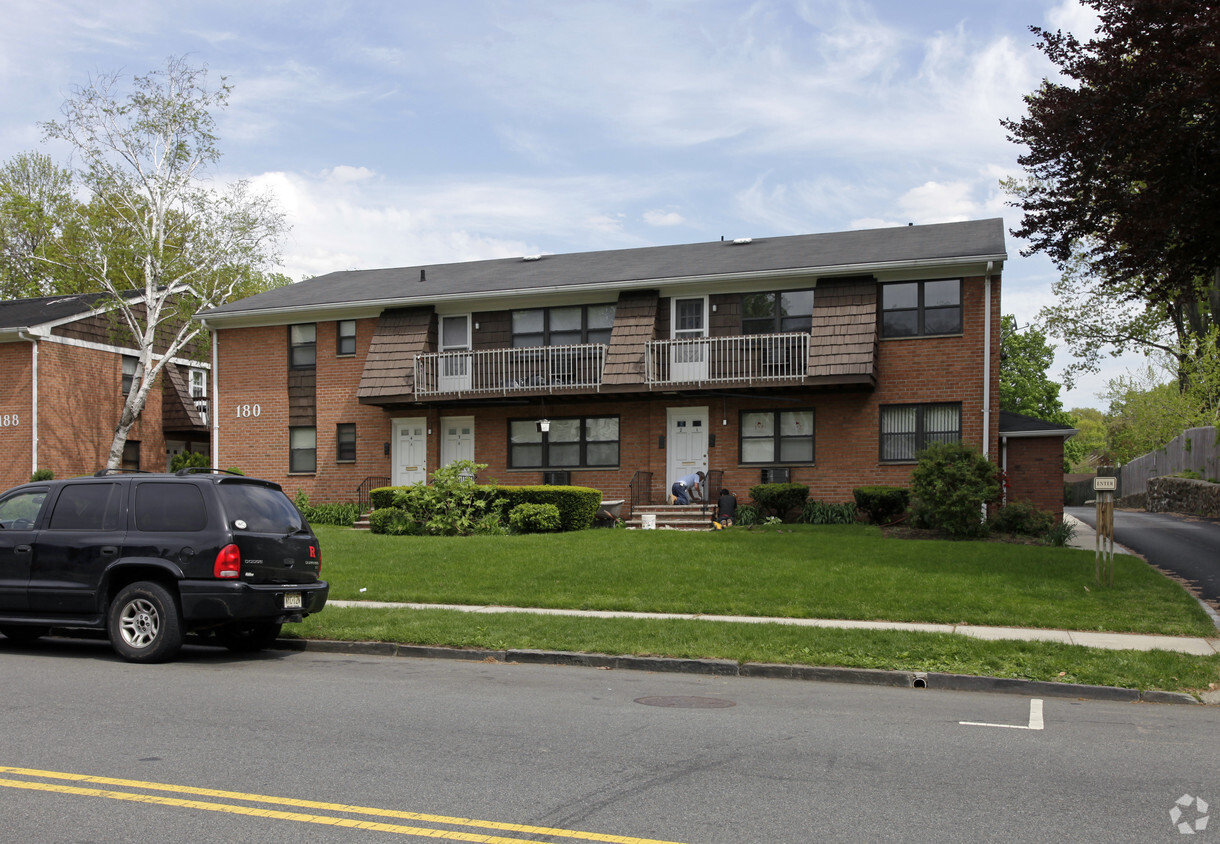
(37,782)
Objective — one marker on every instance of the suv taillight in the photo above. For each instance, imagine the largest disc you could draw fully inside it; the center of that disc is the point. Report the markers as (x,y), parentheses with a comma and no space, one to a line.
(228,562)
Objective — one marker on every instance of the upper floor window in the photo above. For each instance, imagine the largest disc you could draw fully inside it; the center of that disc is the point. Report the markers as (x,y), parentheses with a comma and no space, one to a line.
(777,313)
(907,429)
(569,443)
(777,436)
(131,368)
(563,326)
(303,343)
(345,340)
(918,308)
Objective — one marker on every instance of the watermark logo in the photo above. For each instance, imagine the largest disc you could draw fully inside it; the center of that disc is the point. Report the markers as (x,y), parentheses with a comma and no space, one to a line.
(1182,810)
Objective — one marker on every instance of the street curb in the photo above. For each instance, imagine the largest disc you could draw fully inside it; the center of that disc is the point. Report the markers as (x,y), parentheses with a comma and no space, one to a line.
(730,668)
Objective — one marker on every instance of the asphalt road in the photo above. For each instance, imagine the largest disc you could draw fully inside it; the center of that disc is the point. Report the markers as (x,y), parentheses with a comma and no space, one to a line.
(1186,546)
(292,746)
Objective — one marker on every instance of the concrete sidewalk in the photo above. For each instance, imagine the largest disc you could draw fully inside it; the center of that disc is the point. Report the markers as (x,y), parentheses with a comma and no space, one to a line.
(1195,646)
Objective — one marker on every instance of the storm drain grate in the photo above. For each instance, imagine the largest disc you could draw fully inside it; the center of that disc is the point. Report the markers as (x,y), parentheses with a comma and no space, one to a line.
(686,702)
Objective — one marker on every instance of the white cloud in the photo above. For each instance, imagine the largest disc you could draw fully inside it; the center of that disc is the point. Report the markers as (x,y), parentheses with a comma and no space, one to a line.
(663,218)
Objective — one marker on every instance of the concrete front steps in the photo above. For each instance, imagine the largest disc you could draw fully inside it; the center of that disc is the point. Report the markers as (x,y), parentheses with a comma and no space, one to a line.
(675,516)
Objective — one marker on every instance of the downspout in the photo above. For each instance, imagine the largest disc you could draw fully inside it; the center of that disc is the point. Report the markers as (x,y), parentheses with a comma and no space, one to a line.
(987,367)
(213,416)
(33,341)
(215,404)
(987,360)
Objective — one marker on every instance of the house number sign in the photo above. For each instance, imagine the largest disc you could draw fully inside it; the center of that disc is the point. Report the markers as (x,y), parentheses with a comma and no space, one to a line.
(10,420)
(249,411)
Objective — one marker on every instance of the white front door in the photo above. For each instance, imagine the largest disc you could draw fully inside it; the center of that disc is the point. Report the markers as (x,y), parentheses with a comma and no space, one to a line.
(686,445)
(689,352)
(410,451)
(457,439)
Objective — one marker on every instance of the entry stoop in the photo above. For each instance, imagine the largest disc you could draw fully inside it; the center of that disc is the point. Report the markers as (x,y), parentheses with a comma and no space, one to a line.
(674,516)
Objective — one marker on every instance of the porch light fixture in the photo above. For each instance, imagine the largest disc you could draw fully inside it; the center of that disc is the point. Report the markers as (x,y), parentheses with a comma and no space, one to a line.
(544,425)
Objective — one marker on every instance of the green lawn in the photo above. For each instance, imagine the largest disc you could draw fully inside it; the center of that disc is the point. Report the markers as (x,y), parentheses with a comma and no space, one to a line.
(849,572)
(795,571)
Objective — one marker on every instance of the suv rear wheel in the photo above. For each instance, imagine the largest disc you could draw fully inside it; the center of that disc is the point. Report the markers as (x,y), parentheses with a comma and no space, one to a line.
(143,623)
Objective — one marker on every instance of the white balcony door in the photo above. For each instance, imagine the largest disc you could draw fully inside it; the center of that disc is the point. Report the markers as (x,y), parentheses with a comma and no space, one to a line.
(688,359)
(686,444)
(410,451)
(454,375)
(457,439)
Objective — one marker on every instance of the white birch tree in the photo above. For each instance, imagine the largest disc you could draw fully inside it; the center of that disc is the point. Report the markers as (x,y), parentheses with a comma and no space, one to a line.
(155,224)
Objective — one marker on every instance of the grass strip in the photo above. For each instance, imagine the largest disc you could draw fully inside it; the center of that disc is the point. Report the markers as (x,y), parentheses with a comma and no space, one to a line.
(796,571)
(771,643)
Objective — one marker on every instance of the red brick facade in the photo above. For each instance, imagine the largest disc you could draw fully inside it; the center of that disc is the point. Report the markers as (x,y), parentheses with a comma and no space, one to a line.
(1033,467)
(252,378)
(61,396)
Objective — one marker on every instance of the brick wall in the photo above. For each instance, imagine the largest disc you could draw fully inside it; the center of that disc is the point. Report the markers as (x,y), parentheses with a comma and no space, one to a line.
(16,417)
(1034,466)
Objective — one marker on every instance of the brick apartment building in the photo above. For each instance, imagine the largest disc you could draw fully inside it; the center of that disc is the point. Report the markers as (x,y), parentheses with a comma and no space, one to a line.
(63,380)
(826,359)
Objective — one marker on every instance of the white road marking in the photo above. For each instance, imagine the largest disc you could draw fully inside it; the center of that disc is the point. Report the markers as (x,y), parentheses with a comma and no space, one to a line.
(1035,719)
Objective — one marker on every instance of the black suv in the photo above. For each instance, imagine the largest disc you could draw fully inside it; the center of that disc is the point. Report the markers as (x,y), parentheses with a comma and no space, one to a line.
(151,557)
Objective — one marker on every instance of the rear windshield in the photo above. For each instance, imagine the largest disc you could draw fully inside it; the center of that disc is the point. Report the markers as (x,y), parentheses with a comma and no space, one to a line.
(259,509)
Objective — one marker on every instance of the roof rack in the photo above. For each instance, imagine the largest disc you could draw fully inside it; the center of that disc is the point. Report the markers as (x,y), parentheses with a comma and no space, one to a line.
(191,470)
(101,473)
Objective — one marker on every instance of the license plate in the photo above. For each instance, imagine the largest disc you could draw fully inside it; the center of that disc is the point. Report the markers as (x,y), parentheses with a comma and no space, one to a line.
(292,600)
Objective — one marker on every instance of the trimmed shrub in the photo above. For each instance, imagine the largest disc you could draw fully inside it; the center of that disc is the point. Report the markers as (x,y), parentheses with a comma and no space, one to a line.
(534,518)
(950,485)
(882,504)
(824,513)
(190,460)
(42,475)
(779,500)
(577,505)
(1021,517)
(383,496)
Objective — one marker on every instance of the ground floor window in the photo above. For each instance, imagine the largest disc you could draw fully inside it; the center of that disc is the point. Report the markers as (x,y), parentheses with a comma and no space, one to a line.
(577,442)
(345,442)
(776,436)
(302,449)
(906,429)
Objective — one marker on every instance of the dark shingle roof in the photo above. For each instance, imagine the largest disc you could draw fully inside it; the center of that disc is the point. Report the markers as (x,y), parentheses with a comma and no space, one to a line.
(24,313)
(1019,425)
(837,252)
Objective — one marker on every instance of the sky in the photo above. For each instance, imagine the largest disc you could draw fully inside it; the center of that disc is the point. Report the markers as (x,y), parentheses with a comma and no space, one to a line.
(405,132)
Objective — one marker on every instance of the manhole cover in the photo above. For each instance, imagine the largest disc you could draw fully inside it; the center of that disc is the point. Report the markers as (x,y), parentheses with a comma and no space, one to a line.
(684,702)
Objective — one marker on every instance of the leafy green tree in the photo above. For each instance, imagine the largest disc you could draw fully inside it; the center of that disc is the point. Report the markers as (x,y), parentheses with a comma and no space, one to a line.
(1025,357)
(1147,410)
(36,205)
(154,223)
(1123,186)
(1089,441)
(1122,153)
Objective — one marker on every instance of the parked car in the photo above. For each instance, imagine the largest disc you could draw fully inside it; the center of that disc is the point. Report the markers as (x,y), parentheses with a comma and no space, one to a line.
(149,558)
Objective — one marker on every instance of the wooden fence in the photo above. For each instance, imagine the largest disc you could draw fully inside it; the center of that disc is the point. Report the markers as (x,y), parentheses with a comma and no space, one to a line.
(1195,449)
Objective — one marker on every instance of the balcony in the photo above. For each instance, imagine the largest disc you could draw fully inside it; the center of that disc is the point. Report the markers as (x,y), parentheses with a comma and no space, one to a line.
(505,372)
(748,359)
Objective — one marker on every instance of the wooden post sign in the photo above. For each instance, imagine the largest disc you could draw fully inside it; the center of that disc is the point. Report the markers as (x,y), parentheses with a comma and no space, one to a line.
(1103,557)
